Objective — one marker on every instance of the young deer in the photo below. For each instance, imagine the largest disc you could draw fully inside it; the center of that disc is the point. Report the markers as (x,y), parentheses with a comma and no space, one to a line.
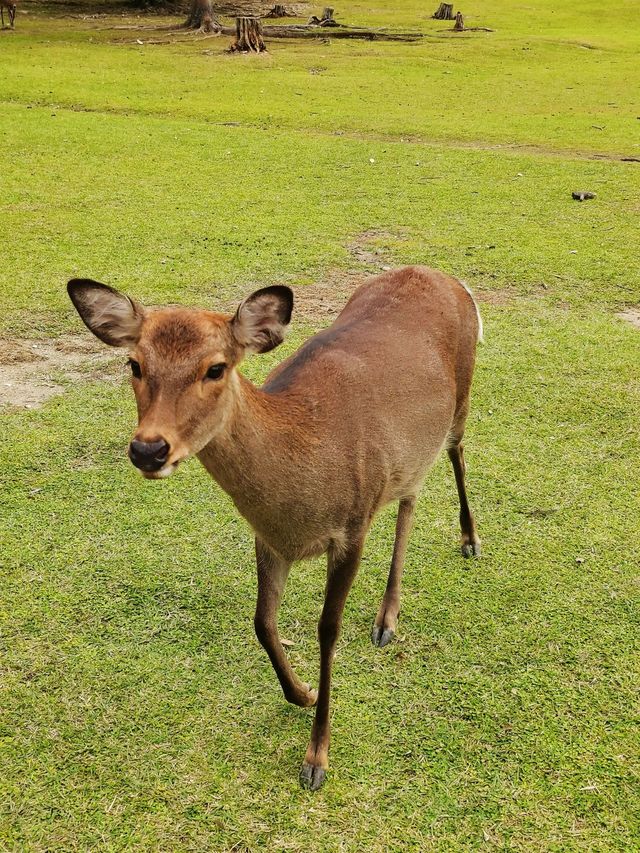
(11,8)
(350,422)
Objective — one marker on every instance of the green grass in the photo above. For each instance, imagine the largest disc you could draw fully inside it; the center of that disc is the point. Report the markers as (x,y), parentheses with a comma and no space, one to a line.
(137,710)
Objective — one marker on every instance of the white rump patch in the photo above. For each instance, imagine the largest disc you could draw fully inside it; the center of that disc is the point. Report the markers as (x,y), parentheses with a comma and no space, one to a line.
(480,324)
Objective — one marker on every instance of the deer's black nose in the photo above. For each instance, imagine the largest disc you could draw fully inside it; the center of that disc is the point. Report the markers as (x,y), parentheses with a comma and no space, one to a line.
(149,455)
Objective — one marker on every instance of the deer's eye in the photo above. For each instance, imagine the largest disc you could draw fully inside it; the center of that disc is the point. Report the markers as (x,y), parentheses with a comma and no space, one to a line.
(215,371)
(135,368)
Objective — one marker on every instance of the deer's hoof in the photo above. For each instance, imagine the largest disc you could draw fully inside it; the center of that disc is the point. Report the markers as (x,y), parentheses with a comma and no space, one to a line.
(312,777)
(381,636)
(310,698)
(306,697)
(471,549)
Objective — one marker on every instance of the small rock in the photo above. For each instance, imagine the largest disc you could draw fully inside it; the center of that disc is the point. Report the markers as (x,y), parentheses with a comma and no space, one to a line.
(581,195)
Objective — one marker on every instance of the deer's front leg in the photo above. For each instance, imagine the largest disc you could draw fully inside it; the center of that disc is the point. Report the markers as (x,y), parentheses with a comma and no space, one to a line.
(341,571)
(272,576)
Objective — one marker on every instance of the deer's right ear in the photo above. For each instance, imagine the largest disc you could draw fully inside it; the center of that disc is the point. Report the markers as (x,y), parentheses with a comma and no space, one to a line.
(261,320)
(110,315)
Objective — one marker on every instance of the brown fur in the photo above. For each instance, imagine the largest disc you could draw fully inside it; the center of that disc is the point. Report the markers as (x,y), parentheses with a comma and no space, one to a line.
(350,422)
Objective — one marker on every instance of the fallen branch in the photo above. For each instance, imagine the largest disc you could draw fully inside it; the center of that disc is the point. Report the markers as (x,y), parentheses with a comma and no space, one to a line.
(302,31)
(467,29)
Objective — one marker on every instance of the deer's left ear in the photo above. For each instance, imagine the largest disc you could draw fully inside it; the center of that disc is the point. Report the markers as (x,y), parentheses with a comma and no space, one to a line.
(109,314)
(261,321)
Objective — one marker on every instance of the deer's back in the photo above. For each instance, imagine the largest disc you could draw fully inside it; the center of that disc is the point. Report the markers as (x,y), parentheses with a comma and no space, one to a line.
(376,393)
(403,336)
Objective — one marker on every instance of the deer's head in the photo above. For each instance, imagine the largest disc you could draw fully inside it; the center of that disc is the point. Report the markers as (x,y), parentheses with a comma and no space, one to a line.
(183,363)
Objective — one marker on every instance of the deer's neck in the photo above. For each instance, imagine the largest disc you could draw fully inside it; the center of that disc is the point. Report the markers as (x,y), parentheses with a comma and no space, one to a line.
(255,454)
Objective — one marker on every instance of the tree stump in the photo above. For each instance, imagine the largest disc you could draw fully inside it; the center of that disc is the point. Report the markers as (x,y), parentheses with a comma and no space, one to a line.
(325,20)
(279,12)
(444,12)
(248,37)
(201,18)
(459,24)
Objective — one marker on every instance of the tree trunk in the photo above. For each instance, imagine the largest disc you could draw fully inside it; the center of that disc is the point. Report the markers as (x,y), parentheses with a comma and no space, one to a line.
(201,17)
(459,24)
(248,37)
(444,12)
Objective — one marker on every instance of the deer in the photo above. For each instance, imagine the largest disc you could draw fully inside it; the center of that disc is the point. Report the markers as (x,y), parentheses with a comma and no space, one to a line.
(347,424)
(11,8)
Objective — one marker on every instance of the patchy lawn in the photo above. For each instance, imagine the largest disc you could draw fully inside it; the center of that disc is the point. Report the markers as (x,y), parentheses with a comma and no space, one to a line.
(137,711)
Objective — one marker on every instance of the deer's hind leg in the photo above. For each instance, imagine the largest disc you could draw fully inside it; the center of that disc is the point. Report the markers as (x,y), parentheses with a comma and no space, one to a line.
(386,621)
(470,542)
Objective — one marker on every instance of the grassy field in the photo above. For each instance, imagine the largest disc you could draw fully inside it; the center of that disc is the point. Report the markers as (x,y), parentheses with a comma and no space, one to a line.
(137,710)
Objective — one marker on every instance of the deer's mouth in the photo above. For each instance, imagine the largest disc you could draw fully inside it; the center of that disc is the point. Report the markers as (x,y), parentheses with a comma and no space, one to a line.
(162,473)
(166,471)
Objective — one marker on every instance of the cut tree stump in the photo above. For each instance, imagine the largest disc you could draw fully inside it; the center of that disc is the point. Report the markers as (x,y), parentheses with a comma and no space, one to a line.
(248,37)
(279,12)
(325,20)
(459,24)
(444,12)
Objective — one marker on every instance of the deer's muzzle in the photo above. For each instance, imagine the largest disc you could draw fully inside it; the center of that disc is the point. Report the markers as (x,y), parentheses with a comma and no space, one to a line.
(149,456)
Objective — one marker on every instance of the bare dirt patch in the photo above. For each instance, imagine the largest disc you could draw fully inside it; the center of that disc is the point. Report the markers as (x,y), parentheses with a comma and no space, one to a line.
(498,297)
(630,315)
(33,371)
(323,301)
(369,249)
